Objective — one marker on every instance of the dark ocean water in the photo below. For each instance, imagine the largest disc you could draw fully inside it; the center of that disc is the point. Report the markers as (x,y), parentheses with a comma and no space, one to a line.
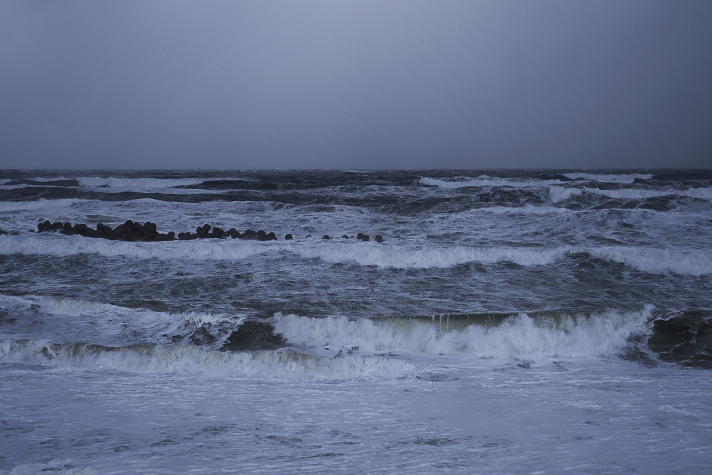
(583,296)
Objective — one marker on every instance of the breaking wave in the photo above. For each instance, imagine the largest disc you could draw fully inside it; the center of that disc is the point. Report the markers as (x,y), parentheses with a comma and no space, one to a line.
(337,348)
(517,337)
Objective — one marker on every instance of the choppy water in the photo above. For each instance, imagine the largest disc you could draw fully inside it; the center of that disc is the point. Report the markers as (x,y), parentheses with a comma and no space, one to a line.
(510,322)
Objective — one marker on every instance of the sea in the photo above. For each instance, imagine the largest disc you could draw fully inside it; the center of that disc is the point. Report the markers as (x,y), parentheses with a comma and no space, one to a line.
(504,322)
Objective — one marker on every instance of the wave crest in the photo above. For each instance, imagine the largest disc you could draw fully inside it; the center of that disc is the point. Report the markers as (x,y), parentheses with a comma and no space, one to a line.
(198,361)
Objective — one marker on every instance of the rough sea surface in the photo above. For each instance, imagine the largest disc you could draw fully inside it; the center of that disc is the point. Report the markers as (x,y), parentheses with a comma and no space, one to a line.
(511,321)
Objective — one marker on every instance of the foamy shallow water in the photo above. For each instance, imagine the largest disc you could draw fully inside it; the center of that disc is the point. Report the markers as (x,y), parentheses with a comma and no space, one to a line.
(582,416)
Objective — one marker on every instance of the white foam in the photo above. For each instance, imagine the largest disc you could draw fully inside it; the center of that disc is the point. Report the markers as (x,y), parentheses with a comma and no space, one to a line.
(518,337)
(558,194)
(405,257)
(198,361)
(609,178)
(659,261)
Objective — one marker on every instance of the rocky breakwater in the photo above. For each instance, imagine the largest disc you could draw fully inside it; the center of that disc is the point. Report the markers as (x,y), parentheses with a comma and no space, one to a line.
(128,231)
(135,231)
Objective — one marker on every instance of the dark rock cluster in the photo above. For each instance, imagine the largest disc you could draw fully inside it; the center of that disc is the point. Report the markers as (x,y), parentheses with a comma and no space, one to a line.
(366,237)
(134,231)
(204,232)
(129,231)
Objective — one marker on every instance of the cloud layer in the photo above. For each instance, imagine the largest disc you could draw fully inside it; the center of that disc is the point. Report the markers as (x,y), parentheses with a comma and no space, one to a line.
(368,84)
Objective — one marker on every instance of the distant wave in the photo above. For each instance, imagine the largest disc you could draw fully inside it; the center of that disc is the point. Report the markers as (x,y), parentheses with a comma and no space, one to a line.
(484,180)
(426,258)
(558,194)
(365,254)
(148,185)
(138,184)
(60,246)
(527,209)
(654,261)
(38,204)
(610,178)
(152,326)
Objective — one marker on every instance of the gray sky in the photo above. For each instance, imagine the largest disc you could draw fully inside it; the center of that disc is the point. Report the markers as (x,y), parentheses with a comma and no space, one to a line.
(355,84)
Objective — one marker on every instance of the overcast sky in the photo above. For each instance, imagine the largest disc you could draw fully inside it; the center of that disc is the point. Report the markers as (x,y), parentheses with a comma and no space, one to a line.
(355,84)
